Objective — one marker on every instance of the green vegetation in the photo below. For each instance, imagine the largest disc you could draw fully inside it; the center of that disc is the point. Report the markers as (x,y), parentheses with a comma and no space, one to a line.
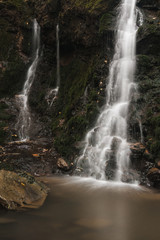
(4,117)
(75,117)
(6,43)
(90,5)
(105,22)
(15,39)
(149,85)
(13,77)
(15,4)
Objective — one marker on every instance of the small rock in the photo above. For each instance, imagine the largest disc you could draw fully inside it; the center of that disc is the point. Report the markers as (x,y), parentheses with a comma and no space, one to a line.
(61,163)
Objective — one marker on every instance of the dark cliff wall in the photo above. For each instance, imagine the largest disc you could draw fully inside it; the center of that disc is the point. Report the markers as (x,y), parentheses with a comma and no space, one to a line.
(86,47)
(15,52)
(146,104)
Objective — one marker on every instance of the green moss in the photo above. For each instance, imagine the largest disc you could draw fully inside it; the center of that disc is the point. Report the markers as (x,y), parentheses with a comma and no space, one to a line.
(157,133)
(6,42)
(64,145)
(143,62)
(90,5)
(19,4)
(6,166)
(105,22)
(75,114)
(74,79)
(155,148)
(156,121)
(77,124)
(4,117)
(13,77)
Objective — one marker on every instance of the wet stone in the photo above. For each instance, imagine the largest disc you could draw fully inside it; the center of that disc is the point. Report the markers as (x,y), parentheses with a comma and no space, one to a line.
(61,163)
(21,190)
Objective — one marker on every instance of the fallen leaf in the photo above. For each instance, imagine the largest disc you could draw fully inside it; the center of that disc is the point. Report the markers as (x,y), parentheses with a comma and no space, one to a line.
(35,155)
(146,151)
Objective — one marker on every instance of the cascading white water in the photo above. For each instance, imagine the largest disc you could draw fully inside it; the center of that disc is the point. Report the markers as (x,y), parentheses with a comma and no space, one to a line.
(24,119)
(110,133)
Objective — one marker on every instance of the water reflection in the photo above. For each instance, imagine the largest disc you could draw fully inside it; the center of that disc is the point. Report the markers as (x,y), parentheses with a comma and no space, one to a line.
(84,209)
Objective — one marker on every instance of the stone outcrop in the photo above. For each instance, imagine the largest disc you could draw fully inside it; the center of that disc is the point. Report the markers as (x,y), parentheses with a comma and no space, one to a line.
(62,165)
(21,190)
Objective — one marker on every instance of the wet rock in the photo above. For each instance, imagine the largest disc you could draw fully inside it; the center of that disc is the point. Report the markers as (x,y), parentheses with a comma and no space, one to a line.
(21,190)
(154,177)
(130,176)
(158,164)
(137,153)
(149,4)
(61,163)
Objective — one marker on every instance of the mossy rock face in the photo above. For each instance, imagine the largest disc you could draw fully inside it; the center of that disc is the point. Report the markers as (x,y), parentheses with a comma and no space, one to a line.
(94,6)
(74,80)
(15,45)
(146,104)
(85,27)
(78,103)
(4,118)
(149,4)
(105,23)
(149,34)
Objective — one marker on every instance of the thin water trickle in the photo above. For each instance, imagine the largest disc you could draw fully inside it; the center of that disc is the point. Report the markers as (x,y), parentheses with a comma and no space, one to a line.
(107,141)
(24,119)
(141,131)
(52,94)
(58,56)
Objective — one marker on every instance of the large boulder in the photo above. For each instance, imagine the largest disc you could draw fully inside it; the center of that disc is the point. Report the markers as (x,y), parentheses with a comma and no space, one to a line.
(21,190)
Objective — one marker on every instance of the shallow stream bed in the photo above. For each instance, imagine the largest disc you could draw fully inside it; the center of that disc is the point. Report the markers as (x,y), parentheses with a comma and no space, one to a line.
(86,209)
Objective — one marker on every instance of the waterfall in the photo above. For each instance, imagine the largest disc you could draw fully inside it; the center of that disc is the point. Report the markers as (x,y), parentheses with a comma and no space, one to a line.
(58,56)
(107,141)
(24,119)
(54,92)
(141,131)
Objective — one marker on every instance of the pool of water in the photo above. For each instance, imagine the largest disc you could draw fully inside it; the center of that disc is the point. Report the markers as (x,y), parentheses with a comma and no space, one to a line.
(87,209)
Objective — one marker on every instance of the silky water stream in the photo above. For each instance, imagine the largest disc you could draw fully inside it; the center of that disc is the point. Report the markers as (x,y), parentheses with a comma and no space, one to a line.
(107,141)
(24,120)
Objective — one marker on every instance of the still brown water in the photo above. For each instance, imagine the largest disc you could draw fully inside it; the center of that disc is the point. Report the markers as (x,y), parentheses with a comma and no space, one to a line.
(85,209)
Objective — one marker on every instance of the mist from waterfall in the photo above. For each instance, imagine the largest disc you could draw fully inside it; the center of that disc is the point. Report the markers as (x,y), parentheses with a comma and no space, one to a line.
(24,119)
(107,141)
